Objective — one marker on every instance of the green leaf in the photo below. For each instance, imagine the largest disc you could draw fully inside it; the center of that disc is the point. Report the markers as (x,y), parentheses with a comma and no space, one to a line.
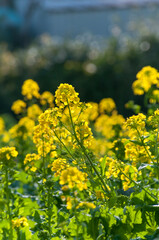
(137,198)
(37,217)
(103,165)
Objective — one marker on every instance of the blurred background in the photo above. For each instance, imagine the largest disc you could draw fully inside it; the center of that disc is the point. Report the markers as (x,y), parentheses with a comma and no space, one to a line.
(98,46)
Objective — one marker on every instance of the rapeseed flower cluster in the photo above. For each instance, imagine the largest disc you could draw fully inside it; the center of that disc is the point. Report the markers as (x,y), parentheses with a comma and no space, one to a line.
(147,77)
(6,153)
(62,154)
(153,120)
(86,205)
(47,98)
(74,178)
(135,127)
(34,111)
(30,160)
(58,165)
(23,129)
(107,105)
(105,124)
(137,154)
(18,106)
(65,95)
(30,89)
(20,222)
(119,170)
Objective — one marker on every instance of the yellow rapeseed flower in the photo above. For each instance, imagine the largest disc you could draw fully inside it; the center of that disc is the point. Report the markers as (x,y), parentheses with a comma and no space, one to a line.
(30,89)
(34,111)
(47,98)
(106,105)
(147,77)
(66,95)
(18,106)
(58,165)
(74,178)
(20,222)
(7,153)
(86,205)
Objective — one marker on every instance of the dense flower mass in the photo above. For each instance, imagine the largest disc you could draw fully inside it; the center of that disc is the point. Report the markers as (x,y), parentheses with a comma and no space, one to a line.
(137,153)
(74,178)
(58,165)
(81,166)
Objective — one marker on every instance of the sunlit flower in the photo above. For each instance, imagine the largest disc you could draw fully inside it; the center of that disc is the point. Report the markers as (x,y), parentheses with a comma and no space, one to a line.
(147,77)
(66,95)
(30,89)
(74,178)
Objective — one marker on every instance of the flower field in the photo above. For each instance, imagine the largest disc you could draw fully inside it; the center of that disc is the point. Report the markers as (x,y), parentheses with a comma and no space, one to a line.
(81,171)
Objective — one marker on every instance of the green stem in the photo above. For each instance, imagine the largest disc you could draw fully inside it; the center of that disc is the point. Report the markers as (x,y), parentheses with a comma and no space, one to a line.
(150,157)
(8,204)
(63,145)
(86,155)
(49,212)
(44,173)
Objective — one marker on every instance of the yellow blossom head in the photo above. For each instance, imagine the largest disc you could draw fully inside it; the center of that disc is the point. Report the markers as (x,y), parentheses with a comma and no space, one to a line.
(47,98)
(7,154)
(18,106)
(107,105)
(66,95)
(30,89)
(34,111)
(147,77)
(74,178)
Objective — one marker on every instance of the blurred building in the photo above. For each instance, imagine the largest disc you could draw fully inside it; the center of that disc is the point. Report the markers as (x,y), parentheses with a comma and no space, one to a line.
(69,18)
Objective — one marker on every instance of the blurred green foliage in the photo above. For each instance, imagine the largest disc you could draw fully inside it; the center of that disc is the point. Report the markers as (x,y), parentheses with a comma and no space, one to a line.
(94,72)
